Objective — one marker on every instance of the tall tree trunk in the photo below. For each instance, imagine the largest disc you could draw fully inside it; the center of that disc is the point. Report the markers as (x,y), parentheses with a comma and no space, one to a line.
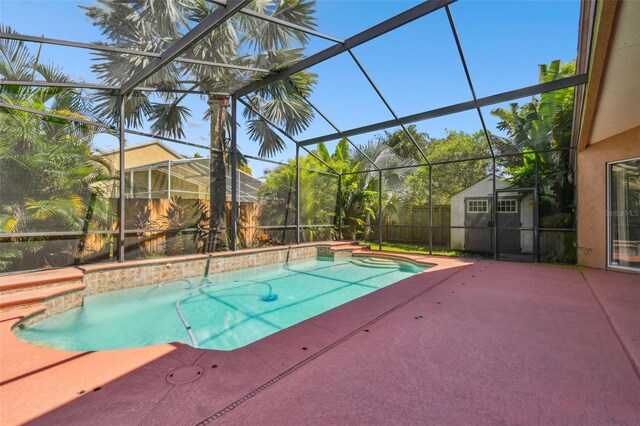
(217,174)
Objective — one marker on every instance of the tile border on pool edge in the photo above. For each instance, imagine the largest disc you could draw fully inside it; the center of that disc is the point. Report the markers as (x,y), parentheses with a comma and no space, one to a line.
(147,274)
(101,278)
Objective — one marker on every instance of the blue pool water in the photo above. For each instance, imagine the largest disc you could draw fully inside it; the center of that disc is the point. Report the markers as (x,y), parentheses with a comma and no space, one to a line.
(238,307)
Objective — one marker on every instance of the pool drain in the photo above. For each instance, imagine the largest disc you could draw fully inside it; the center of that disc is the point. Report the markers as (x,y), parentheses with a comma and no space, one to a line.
(184,374)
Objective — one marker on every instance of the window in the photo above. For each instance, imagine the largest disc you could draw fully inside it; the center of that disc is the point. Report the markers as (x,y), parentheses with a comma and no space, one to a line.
(508,206)
(623,214)
(477,206)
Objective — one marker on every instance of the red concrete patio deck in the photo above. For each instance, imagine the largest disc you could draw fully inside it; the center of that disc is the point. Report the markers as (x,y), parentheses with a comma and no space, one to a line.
(467,342)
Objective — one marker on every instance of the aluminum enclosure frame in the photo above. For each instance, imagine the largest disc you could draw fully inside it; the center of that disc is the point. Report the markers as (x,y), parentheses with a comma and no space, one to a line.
(226,10)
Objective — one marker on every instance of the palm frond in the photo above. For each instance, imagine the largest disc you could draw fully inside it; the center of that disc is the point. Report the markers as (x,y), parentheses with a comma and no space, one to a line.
(68,209)
(270,142)
(168,119)
(16,60)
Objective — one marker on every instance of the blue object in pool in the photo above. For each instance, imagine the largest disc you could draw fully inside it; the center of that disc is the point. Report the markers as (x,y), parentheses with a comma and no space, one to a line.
(238,307)
(270,297)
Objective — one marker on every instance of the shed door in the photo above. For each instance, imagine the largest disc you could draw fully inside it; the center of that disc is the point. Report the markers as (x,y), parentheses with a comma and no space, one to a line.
(508,223)
(516,225)
(477,222)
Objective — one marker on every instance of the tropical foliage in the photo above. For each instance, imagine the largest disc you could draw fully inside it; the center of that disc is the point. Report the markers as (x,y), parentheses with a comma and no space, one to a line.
(184,214)
(543,124)
(319,199)
(450,175)
(50,173)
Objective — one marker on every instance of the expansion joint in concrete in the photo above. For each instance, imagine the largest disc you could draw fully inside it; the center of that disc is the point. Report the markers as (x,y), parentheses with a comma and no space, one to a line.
(634,362)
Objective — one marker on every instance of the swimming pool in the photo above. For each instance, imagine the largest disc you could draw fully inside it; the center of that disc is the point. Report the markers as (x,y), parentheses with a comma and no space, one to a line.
(224,312)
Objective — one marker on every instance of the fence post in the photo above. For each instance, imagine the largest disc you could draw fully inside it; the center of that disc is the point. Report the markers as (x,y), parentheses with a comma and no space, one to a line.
(411,229)
(440,227)
(169,179)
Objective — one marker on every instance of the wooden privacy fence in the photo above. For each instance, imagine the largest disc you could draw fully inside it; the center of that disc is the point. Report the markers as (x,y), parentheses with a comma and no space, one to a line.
(154,216)
(414,227)
(161,226)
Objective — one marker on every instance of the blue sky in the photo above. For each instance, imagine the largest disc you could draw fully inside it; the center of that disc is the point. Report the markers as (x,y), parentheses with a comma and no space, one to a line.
(416,67)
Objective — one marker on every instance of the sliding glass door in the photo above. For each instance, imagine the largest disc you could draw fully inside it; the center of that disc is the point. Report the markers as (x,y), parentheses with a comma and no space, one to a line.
(624,214)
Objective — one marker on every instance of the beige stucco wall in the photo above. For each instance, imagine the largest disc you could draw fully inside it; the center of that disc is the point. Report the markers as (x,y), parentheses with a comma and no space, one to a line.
(592,193)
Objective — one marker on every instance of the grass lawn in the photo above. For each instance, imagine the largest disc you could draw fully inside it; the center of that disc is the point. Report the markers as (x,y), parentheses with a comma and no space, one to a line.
(421,249)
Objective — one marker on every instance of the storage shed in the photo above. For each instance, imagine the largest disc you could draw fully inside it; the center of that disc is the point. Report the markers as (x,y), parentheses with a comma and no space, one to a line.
(472,221)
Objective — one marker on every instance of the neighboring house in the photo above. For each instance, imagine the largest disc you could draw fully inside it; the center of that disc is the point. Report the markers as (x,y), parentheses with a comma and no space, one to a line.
(472,221)
(152,170)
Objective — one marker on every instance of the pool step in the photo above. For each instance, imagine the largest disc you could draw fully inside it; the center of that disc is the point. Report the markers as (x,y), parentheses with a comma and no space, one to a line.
(21,313)
(379,260)
(355,248)
(38,295)
(372,262)
(40,279)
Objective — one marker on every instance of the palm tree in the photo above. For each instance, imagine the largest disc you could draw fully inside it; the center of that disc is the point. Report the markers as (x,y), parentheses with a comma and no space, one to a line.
(542,124)
(153,25)
(395,197)
(49,173)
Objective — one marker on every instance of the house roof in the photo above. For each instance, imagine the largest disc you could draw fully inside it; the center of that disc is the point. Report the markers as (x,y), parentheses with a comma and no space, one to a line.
(144,145)
(192,170)
(475,184)
(612,102)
